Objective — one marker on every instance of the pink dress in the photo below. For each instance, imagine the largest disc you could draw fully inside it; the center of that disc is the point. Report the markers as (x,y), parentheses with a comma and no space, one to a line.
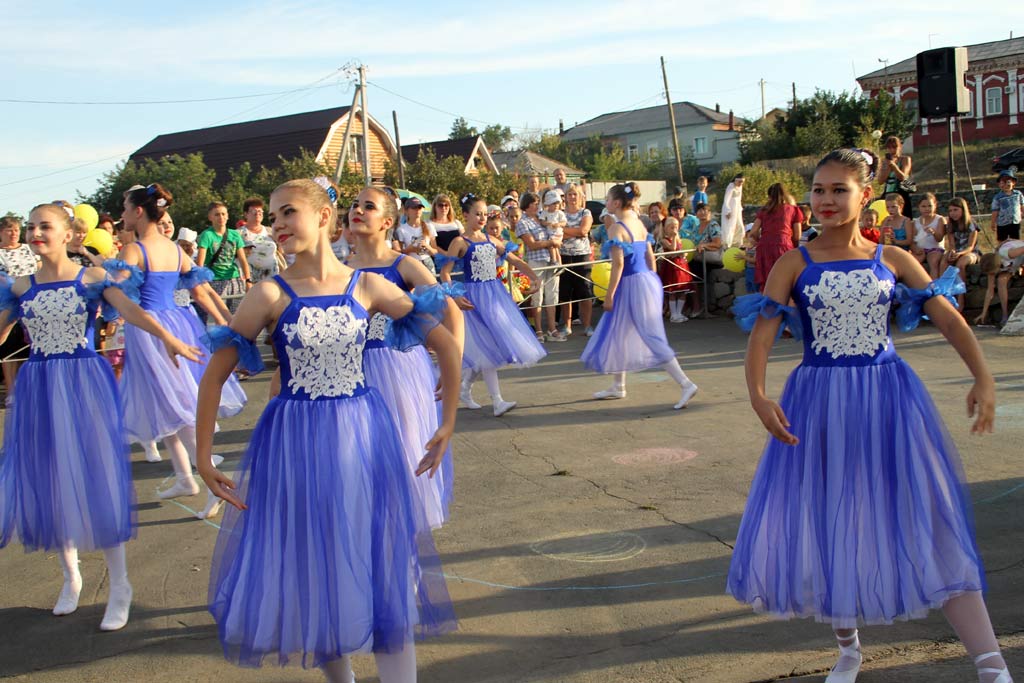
(776,238)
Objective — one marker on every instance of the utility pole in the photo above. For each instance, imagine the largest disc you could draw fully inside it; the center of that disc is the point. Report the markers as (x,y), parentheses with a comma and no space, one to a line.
(794,95)
(672,123)
(398,144)
(367,178)
(343,152)
(764,111)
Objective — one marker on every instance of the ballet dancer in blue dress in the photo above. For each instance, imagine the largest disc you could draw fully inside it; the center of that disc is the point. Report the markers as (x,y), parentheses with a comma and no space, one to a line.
(65,475)
(497,334)
(858,513)
(323,552)
(159,399)
(405,379)
(631,333)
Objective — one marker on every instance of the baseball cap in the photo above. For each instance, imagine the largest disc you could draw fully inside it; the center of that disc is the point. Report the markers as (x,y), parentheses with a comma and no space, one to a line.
(1007,173)
(187,235)
(413,203)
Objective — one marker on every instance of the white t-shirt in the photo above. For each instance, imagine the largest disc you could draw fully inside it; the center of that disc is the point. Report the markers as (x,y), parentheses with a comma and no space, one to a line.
(262,256)
(412,236)
(1005,262)
(445,227)
(924,239)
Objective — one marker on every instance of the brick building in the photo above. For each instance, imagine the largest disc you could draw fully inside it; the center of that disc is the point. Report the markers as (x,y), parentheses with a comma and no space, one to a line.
(995,74)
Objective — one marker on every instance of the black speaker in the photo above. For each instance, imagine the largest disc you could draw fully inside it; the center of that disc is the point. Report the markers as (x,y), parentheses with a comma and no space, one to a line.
(940,82)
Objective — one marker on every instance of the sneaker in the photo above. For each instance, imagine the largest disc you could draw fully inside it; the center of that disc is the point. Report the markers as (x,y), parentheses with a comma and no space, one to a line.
(589,332)
(501,407)
(610,393)
(566,332)
(467,400)
(577,321)
(683,318)
(555,336)
(675,319)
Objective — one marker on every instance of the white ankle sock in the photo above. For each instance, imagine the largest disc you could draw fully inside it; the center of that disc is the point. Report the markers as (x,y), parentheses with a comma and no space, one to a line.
(120,601)
(618,381)
(397,667)
(491,380)
(67,601)
(676,373)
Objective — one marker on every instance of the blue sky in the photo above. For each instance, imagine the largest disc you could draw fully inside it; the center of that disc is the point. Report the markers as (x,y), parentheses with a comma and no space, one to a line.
(525,67)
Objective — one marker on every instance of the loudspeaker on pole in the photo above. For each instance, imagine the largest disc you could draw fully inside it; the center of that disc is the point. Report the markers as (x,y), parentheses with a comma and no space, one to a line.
(940,82)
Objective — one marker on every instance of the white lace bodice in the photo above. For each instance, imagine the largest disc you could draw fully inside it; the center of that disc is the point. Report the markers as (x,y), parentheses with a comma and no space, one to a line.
(849,312)
(56,320)
(483,263)
(325,351)
(378,326)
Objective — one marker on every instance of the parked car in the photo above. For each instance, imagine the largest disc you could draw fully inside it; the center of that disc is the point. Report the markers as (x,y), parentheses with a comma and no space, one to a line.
(1012,161)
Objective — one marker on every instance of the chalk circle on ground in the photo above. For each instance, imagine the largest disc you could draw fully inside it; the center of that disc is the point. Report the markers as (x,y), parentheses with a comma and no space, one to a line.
(655,456)
(607,547)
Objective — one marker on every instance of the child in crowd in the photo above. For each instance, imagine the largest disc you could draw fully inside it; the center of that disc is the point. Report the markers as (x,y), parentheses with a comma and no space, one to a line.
(894,226)
(1007,207)
(869,226)
(961,240)
(928,233)
(701,195)
(673,270)
(999,267)
(553,218)
(750,258)
(858,512)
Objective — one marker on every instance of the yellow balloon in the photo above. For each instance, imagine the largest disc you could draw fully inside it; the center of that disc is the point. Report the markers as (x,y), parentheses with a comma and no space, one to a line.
(601,273)
(101,241)
(687,245)
(734,259)
(87,214)
(879,206)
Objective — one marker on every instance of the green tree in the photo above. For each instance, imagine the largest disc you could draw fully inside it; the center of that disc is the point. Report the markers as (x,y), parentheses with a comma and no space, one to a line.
(496,136)
(462,129)
(758,177)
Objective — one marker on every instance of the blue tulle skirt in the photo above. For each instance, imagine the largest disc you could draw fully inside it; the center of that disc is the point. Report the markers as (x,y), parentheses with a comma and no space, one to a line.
(632,336)
(65,474)
(405,381)
(865,521)
(326,560)
(158,398)
(497,334)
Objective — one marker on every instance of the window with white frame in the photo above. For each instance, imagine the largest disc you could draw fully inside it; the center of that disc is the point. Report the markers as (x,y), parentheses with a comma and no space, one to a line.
(993,101)
(355,148)
(632,151)
(970,105)
(652,150)
(700,146)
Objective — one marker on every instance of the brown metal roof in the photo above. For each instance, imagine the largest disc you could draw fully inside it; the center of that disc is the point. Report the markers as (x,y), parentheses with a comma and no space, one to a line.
(975,53)
(462,148)
(261,142)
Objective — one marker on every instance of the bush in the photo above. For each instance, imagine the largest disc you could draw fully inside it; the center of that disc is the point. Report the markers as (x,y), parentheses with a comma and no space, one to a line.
(757,178)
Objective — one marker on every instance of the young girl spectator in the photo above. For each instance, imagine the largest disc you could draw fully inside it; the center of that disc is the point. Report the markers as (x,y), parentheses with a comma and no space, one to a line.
(497,336)
(927,233)
(896,167)
(673,270)
(869,226)
(858,512)
(442,221)
(776,230)
(415,237)
(999,267)
(322,554)
(894,226)
(65,478)
(631,333)
(574,282)
(961,240)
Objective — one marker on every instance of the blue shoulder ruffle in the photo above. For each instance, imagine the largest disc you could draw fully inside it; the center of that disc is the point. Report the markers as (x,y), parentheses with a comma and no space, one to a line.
(453,289)
(94,292)
(606,248)
(510,248)
(911,309)
(428,306)
(441,259)
(195,277)
(8,299)
(219,336)
(130,284)
(748,308)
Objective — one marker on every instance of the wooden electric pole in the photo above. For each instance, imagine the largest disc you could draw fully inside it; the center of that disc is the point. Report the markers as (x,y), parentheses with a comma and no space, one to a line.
(343,152)
(367,178)
(672,122)
(398,146)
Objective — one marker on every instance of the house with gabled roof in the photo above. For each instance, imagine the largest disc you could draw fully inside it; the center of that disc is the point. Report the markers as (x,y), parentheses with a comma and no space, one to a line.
(527,163)
(265,141)
(709,135)
(472,150)
(994,82)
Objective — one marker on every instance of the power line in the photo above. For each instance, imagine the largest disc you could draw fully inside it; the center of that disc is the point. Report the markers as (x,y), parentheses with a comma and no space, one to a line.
(149,102)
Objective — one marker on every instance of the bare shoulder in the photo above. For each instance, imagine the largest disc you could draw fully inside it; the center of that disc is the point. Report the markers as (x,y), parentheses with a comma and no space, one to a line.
(415,273)
(21,285)
(93,275)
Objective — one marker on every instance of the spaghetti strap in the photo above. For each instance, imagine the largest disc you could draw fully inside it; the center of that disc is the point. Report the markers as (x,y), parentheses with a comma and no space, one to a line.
(32,279)
(397,261)
(179,258)
(145,256)
(807,257)
(352,282)
(628,231)
(878,252)
(285,288)
(81,273)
